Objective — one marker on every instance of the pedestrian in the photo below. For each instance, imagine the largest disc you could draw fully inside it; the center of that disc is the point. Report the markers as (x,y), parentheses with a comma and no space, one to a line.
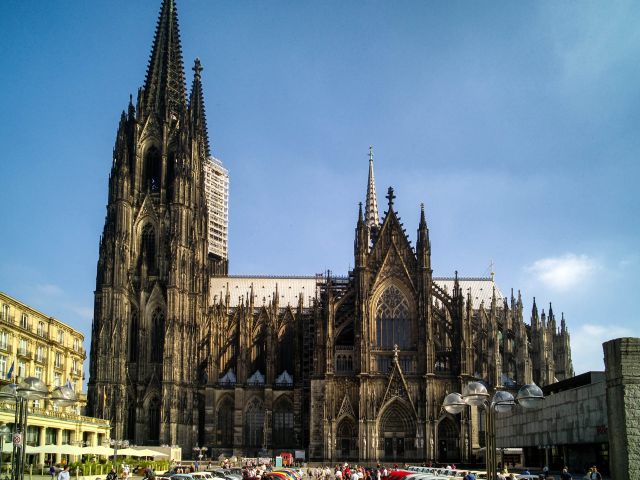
(565,475)
(112,475)
(594,474)
(52,471)
(64,474)
(470,476)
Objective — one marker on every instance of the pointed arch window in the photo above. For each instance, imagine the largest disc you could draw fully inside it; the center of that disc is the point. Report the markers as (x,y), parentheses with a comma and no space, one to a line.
(254,424)
(131,420)
(225,423)
(393,326)
(157,336)
(283,435)
(257,352)
(133,336)
(286,351)
(148,247)
(152,170)
(154,420)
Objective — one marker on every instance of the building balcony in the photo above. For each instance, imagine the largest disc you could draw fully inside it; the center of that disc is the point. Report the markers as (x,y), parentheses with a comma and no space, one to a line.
(41,359)
(10,319)
(24,353)
(6,348)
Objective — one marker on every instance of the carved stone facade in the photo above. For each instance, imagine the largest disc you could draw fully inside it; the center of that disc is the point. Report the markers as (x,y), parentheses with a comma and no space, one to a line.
(344,367)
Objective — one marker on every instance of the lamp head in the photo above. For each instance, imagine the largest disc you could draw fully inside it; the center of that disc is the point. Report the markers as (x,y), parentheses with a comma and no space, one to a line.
(530,395)
(503,401)
(32,388)
(453,403)
(63,396)
(475,393)
(8,392)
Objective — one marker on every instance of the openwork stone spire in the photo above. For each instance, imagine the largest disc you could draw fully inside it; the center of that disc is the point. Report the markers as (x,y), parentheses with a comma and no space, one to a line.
(371,218)
(196,108)
(164,86)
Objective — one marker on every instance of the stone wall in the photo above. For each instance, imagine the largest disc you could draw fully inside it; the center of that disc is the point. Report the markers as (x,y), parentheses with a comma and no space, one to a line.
(569,417)
(622,364)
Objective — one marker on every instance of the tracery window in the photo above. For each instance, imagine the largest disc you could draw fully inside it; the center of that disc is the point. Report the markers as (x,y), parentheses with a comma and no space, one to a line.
(148,247)
(152,170)
(225,423)
(392,319)
(157,335)
(133,337)
(283,424)
(285,350)
(254,424)
(154,420)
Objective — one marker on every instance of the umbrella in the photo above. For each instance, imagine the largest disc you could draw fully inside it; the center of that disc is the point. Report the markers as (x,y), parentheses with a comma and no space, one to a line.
(129,452)
(97,450)
(8,448)
(146,452)
(62,449)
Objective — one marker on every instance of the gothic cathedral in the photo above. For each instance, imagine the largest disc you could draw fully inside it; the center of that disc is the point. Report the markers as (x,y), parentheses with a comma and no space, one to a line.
(343,367)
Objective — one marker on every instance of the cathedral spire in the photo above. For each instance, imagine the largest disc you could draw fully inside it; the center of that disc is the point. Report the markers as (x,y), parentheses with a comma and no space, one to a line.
(371,210)
(164,86)
(197,114)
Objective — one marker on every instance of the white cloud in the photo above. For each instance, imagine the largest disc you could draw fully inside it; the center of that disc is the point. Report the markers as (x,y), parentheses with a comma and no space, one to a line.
(586,345)
(563,273)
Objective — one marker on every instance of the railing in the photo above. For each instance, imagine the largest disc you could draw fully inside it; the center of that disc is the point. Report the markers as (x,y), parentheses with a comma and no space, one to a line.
(5,347)
(41,359)
(23,352)
(48,413)
(11,319)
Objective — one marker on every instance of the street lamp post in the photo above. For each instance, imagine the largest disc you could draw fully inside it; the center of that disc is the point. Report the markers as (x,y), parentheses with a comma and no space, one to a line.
(28,390)
(116,444)
(200,451)
(476,394)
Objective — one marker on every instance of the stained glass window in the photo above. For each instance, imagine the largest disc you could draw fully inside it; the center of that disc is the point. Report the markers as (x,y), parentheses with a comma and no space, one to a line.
(392,319)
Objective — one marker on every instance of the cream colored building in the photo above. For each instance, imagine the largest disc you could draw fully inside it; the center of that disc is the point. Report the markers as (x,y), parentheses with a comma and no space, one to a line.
(37,345)
(216,184)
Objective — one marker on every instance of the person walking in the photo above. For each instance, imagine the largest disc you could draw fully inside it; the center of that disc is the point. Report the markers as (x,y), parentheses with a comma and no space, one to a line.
(64,474)
(594,474)
(112,475)
(565,475)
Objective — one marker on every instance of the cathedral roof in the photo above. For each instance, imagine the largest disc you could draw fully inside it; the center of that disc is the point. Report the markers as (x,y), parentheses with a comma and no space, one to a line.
(290,288)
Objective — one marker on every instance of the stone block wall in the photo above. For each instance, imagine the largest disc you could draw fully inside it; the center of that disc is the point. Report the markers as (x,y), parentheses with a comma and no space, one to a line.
(622,368)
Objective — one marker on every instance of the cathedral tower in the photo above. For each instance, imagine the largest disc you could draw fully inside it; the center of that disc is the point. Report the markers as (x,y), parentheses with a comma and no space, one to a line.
(151,284)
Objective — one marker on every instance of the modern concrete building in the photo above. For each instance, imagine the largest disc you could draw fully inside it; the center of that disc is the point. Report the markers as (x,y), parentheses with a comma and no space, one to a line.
(569,428)
(590,419)
(35,344)
(216,187)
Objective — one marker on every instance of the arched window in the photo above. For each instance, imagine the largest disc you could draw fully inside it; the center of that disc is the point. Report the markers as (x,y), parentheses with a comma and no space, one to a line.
(225,423)
(254,424)
(285,350)
(346,436)
(157,336)
(131,420)
(148,247)
(154,420)
(152,170)
(283,435)
(133,336)
(257,353)
(392,320)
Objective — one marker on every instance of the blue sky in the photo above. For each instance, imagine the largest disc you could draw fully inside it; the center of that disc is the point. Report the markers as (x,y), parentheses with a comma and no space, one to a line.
(516,123)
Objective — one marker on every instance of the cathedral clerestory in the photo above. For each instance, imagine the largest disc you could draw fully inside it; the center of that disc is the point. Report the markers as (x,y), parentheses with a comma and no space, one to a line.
(350,366)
